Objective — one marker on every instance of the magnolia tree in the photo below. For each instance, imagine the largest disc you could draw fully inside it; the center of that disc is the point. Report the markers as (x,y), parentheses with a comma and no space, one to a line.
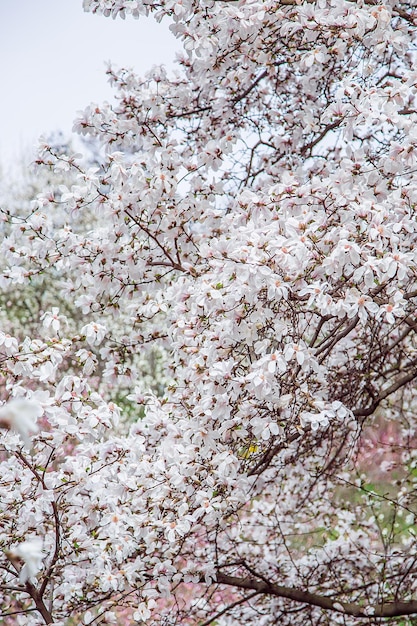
(34,307)
(253,219)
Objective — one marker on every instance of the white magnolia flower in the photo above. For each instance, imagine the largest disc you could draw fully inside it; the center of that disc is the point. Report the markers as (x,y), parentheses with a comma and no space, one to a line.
(87,360)
(21,415)
(30,552)
(94,333)
(53,319)
(143,612)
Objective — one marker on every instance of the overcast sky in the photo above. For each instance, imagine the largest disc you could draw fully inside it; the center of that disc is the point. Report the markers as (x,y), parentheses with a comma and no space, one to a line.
(53,59)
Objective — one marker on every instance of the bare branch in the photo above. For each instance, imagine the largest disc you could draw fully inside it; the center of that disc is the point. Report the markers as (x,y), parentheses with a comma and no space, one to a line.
(382,609)
(229,608)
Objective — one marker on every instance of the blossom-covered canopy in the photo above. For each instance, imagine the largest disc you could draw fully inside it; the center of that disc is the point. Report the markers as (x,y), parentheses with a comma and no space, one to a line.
(225,332)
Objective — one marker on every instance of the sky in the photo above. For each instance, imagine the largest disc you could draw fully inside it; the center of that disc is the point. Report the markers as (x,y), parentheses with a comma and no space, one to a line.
(53,61)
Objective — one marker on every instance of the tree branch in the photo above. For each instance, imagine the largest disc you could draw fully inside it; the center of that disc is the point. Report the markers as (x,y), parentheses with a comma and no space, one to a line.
(39,603)
(247,91)
(146,230)
(230,607)
(381,609)
(400,382)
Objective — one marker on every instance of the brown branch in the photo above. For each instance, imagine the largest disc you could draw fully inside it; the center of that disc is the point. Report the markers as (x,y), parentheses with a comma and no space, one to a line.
(380,609)
(18,612)
(407,112)
(247,91)
(309,146)
(57,550)
(39,603)
(266,459)
(400,382)
(37,595)
(174,265)
(229,607)
(322,322)
(334,339)
(31,590)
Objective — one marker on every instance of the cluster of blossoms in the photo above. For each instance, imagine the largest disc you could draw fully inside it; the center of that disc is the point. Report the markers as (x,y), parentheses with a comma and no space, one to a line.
(230,304)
